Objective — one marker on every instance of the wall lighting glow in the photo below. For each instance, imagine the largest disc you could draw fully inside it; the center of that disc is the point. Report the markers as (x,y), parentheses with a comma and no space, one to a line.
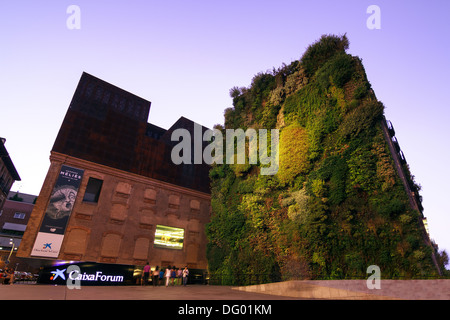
(169,237)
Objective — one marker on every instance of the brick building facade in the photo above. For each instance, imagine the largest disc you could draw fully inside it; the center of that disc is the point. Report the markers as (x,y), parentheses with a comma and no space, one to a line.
(131,203)
(13,222)
(8,173)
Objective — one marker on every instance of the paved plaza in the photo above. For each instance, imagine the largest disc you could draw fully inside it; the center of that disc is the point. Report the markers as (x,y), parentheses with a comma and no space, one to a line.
(193,292)
(289,290)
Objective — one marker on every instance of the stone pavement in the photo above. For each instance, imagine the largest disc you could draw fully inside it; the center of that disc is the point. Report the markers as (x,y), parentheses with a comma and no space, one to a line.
(192,292)
(289,290)
(357,289)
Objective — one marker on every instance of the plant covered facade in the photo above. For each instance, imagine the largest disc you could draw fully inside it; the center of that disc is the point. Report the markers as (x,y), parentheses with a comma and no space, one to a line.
(336,204)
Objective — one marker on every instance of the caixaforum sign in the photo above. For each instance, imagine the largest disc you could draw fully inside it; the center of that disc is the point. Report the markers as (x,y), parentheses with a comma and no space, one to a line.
(87,274)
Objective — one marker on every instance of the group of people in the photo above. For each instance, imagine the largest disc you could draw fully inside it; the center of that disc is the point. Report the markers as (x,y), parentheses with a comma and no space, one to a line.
(173,275)
(7,276)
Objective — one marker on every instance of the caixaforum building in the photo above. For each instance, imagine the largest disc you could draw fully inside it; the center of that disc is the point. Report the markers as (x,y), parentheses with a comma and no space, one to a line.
(112,194)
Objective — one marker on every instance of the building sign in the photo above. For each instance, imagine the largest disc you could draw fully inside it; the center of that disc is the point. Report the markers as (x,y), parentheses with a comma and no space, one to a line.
(50,236)
(94,274)
(169,237)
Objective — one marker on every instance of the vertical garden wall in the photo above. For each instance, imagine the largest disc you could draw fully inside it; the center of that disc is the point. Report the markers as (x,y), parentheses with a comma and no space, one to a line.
(337,204)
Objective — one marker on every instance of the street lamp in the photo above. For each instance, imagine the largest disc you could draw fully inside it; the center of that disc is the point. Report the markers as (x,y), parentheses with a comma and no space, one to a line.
(12,248)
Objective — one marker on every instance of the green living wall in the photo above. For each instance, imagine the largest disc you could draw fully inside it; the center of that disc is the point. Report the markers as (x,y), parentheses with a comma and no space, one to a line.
(336,204)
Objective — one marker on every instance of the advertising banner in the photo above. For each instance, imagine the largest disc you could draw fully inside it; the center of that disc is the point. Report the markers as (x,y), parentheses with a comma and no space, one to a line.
(169,237)
(59,209)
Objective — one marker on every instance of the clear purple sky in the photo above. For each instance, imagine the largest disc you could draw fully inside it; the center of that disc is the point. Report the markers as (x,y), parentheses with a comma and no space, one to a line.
(184,56)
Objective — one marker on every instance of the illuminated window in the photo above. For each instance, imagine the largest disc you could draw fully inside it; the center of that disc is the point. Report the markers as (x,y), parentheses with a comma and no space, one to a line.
(169,237)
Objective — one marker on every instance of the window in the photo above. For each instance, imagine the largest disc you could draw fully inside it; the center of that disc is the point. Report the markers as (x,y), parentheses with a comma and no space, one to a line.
(19,215)
(93,189)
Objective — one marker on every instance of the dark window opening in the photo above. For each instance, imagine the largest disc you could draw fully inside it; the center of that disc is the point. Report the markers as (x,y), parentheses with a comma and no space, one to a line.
(93,189)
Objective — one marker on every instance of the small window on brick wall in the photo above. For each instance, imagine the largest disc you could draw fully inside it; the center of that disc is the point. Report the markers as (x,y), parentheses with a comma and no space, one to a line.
(19,215)
(93,189)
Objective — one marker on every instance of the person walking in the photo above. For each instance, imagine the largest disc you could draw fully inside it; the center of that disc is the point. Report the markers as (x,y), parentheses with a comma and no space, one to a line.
(155,276)
(161,276)
(167,275)
(179,276)
(185,275)
(173,274)
(146,273)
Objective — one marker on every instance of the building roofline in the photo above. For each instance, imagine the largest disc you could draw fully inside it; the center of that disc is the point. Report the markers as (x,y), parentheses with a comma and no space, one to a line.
(7,161)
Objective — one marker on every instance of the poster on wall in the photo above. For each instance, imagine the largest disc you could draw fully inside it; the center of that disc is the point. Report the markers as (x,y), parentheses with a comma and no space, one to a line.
(57,214)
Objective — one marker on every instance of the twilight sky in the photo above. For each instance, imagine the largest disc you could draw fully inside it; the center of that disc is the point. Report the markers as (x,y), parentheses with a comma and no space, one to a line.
(184,56)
